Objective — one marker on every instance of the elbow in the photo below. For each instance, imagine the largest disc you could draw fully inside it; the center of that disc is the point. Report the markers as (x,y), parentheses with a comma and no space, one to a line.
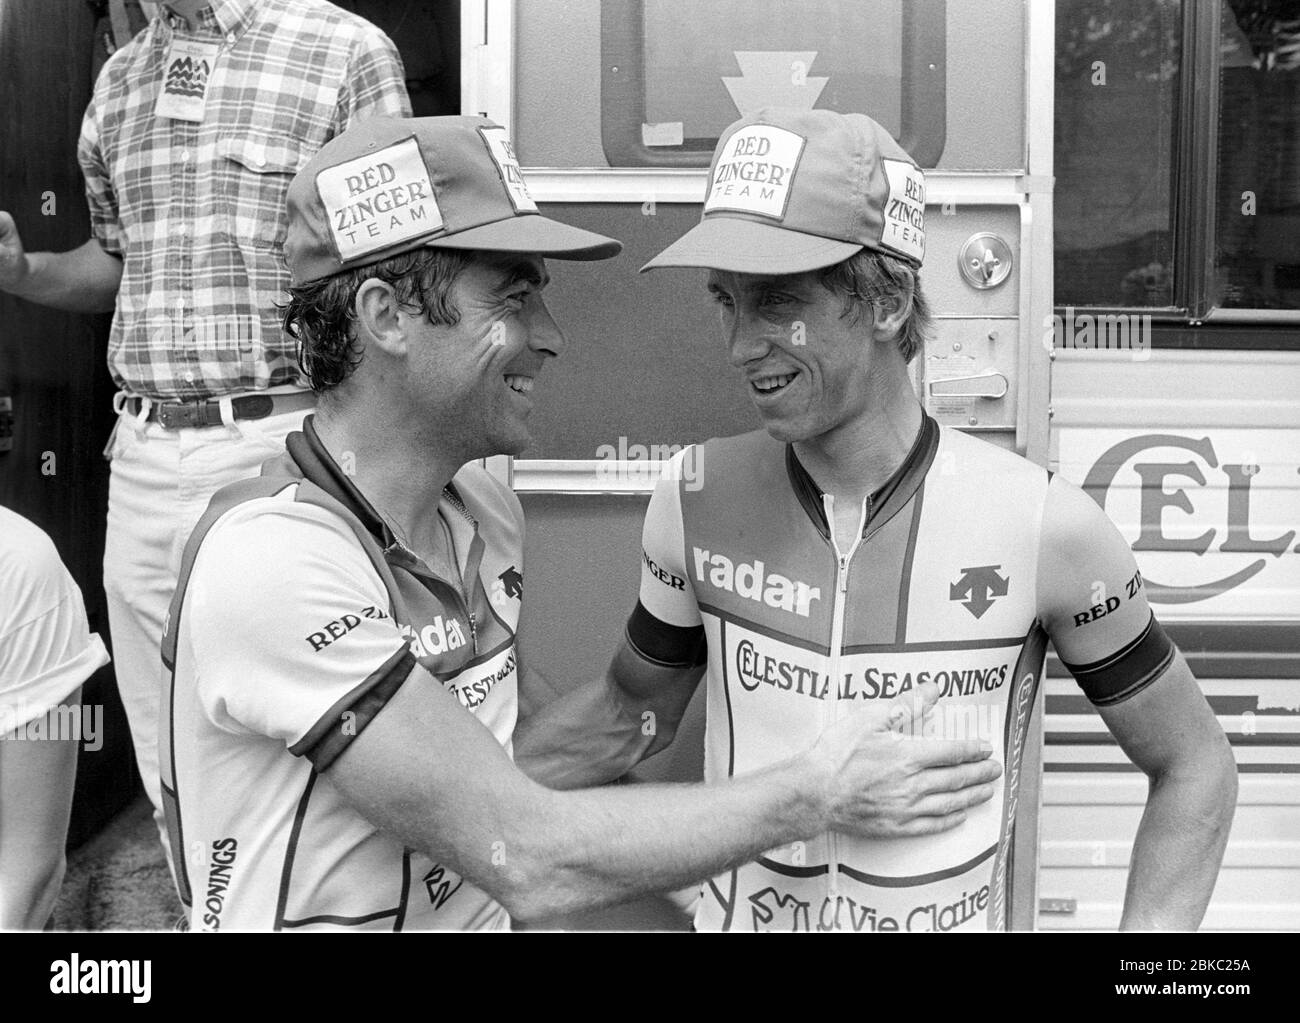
(528,892)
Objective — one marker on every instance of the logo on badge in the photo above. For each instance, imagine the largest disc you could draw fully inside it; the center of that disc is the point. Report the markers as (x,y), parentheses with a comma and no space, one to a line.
(187,77)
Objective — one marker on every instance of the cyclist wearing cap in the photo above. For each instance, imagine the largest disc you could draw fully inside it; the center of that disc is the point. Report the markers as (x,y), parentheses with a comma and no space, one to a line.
(342,645)
(852,552)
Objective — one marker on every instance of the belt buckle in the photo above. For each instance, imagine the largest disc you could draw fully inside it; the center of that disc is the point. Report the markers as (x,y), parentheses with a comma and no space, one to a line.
(181,415)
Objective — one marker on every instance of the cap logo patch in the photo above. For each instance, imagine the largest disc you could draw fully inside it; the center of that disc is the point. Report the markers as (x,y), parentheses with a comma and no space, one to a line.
(754,171)
(503,154)
(379,200)
(904,221)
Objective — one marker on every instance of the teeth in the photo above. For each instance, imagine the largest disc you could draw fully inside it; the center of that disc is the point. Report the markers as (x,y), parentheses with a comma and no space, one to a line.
(766,384)
(518,383)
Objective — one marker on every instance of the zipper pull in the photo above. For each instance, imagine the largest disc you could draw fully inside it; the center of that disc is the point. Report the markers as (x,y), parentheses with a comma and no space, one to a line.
(473,632)
(844,573)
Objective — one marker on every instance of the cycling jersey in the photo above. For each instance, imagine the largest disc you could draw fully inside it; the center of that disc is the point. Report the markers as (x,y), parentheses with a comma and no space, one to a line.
(296,618)
(940,586)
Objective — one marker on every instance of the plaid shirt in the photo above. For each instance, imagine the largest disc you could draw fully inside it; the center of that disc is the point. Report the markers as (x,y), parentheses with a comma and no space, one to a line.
(196,211)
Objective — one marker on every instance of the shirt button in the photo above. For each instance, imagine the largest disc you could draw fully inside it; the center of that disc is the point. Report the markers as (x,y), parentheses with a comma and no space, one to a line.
(185,156)
(189,378)
(231,38)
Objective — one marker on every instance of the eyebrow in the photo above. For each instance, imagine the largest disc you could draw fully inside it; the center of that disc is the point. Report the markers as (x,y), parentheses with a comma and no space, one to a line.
(522,272)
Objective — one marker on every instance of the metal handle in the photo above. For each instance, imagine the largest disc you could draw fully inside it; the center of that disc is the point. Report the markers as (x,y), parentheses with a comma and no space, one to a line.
(983,385)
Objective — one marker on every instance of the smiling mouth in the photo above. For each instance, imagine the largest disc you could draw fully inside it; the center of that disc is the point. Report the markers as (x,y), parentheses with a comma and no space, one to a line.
(769,386)
(519,384)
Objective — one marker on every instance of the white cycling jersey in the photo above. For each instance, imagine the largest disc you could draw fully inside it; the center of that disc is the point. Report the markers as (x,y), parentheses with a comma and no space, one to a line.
(296,619)
(941,585)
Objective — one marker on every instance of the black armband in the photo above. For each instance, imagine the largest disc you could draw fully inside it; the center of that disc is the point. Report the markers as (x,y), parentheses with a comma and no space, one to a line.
(1129,670)
(673,646)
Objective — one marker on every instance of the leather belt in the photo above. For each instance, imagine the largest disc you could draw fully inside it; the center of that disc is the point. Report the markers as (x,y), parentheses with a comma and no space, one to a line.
(179,415)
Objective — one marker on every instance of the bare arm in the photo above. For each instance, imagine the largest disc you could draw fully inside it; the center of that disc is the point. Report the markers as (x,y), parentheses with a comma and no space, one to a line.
(1095,608)
(597,731)
(81,280)
(36,779)
(1170,732)
(541,852)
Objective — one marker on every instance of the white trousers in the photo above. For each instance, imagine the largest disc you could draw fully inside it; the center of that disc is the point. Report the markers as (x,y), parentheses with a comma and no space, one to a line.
(159,487)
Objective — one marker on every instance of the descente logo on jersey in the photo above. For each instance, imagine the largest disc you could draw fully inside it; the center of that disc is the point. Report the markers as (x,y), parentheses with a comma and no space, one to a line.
(438,638)
(749,581)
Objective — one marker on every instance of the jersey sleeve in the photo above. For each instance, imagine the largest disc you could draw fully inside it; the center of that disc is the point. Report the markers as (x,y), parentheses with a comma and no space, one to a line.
(1092,601)
(665,627)
(290,632)
(46,647)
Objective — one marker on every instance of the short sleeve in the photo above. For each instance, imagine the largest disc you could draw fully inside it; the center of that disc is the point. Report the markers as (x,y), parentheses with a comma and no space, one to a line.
(666,591)
(46,647)
(289,630)
(1092,600)
(101,197)
(375,84)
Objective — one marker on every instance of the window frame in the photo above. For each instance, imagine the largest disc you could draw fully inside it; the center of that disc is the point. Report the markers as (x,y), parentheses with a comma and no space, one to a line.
(1193,320)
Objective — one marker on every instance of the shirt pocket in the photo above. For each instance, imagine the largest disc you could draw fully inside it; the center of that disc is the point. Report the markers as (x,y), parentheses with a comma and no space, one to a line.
(255,174)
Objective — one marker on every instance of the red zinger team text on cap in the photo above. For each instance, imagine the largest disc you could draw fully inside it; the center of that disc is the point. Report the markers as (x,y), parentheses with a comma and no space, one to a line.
(390,185)
(797,190)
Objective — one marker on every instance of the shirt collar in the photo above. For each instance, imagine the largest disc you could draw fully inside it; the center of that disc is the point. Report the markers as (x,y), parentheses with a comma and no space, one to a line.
(317,465)
(888,498)
(224,17)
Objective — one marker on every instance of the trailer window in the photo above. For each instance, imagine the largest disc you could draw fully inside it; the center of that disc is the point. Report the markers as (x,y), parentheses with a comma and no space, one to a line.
(1257,251)
(1117,67)
(676,72)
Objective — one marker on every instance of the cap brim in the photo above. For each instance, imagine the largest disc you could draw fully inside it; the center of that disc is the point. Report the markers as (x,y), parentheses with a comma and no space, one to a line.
(748,247)
(532,233)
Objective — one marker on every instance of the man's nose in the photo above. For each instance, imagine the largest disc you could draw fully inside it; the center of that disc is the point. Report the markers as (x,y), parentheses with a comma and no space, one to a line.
(544,334)
(746,338)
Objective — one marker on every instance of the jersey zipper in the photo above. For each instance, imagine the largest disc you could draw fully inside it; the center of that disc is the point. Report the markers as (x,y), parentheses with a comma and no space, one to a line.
(461,593)
(839,610)
(459,505)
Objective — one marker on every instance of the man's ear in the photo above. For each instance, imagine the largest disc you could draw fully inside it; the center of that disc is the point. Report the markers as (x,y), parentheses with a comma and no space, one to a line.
(892,311)
(378,318)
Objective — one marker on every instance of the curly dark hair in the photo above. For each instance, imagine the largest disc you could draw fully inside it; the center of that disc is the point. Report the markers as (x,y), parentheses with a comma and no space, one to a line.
(319,314)
(868,276)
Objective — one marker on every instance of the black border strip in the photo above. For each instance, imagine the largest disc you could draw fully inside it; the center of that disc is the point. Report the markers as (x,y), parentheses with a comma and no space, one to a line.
(286,871)
(342,921)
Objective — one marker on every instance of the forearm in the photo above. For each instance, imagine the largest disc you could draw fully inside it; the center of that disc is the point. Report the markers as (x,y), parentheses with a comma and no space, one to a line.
(1179,845)
(28,891)
(585,849)
(82,280)
(36,786)
(586,737)
(598,731)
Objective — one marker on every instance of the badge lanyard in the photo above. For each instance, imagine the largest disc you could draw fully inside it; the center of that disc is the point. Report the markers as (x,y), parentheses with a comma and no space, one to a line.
(185,83)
